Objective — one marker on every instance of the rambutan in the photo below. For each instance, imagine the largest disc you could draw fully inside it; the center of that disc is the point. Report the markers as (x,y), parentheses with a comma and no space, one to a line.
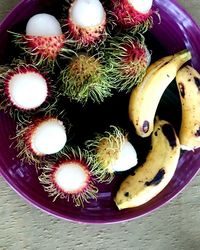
(128,58)
(84,78)
(41,137)
(43,40)
(86,22)
(135,14)
(69,178)
(24,90)
(111,152)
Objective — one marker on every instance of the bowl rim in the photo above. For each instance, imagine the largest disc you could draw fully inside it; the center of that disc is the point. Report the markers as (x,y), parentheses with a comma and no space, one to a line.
(43,208)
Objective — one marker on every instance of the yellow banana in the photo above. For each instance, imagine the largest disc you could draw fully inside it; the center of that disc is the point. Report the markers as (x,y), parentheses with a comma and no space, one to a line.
(145,97)
(188,82)
(152,177)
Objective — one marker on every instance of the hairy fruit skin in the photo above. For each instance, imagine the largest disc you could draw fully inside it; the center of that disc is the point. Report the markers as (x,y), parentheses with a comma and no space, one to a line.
(90,34)
(128,17)
(48,178)
(28,136)
(104,150)
(128,59)
(15,109)
(84,78)
(46,47)
(24,144)
(87,36)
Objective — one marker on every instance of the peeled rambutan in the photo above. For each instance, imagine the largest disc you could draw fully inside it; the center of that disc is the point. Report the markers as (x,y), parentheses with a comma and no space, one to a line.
(111,152)
(69,178)
(128,58)
(41,137)
(23,88)
(84,78)
(136,14)
(43,40)
(86,22)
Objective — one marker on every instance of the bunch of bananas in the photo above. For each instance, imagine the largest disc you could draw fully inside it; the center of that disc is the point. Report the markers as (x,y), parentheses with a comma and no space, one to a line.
(151,178)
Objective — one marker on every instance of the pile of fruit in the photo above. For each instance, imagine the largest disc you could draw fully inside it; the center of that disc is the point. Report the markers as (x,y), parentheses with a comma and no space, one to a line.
(96,51)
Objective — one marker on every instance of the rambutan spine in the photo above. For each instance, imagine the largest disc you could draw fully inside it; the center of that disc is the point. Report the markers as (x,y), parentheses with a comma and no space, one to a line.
(33,84)
(28,138)
(105,152)
(86,77)
(87,26)
(75,159)
(131,17)
(128,59)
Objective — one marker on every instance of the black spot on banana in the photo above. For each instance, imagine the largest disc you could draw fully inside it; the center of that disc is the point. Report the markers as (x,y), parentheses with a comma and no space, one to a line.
(157,179)
(146,96)
(153,176)
(189,79)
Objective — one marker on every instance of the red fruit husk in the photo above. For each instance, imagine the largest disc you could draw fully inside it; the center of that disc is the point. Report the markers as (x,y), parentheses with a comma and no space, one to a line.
(128,17)
(135,56)
(75,161)
(22,69)
(46,47)
(86,36)
(128,59)
(83,194)
(23,143)
(31,130)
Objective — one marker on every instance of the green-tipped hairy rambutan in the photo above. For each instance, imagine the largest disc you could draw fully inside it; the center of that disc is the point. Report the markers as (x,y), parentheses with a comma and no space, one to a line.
(69,177)
(84,78)
(111,152)
(128,58)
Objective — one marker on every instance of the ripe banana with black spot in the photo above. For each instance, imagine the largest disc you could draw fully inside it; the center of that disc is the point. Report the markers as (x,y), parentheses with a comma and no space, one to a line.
(145,97)
(152,177)
(188,82)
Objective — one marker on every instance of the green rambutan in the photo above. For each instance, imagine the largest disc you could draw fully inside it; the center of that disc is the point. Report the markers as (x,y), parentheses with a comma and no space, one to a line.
(111,152)
(84,78)
(128,59)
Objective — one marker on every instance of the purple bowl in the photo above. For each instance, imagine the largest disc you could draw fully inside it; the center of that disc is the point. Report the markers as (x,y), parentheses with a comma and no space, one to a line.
(176,31)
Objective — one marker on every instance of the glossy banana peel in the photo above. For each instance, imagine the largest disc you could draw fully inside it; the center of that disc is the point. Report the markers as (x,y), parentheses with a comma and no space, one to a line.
(153,176)
(188,83)
(146,96)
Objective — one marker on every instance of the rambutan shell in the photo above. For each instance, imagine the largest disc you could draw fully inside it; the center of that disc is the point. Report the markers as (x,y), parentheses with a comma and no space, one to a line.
(87,33)
(127,15)
(46,136)
(25,87)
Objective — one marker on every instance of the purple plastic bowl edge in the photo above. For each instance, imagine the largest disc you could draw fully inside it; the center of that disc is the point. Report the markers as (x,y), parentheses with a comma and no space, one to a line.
(29,200)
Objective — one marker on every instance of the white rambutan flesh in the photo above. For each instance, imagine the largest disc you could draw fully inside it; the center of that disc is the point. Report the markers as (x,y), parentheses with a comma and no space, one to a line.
(127,158)
(43,25)
(111,152)
(148,55)
(87,13)
(142,6)
(27,90)
(71,177)
(48,137)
